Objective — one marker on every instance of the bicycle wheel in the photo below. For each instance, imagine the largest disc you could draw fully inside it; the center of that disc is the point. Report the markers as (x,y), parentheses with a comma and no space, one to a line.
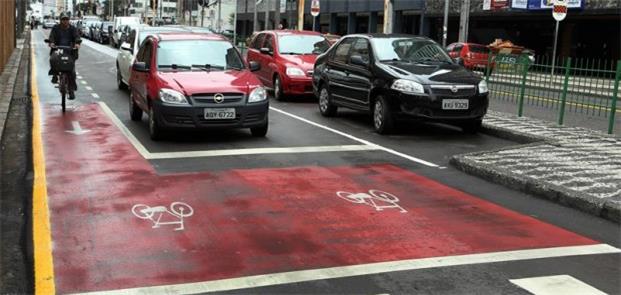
(181,209)
(351,197)
(137,210)
(384,196)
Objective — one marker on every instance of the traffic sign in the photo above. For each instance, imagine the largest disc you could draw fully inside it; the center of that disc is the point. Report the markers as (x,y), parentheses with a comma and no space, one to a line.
(559,10)
(315,8)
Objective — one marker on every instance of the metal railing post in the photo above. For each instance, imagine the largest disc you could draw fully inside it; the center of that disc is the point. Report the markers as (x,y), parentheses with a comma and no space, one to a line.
(488,68)
(561,115)
(522,87)
(615,94)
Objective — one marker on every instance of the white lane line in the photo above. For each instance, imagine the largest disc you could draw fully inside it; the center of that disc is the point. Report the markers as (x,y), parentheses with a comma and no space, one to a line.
(286,150)
(83,82)
(89,88)
(130,136)
(379,147)
(79,77)
(553,285)
(95,95)
(231,152)
(364,269)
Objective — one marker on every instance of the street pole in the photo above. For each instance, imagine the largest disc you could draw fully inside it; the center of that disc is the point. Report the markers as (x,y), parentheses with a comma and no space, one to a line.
(218,25)
(277,14)
(235,26)
(464,20)
(255,25)
(445,25)
(300,15)
(203,13)
(388,16)
(554,49)
(267,14)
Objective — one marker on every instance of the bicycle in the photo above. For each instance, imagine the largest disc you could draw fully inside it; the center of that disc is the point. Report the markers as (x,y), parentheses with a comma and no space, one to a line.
(64,65)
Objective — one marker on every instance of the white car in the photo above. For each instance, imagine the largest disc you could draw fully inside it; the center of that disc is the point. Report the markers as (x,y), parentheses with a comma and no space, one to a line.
(119,22)
(127,53)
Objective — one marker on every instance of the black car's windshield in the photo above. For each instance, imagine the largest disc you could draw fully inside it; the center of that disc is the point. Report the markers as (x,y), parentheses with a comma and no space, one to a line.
(410,49)
(302,44)
(198,54)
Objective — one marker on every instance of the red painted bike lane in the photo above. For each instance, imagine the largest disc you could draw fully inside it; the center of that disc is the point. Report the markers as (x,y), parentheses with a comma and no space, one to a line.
(249,222)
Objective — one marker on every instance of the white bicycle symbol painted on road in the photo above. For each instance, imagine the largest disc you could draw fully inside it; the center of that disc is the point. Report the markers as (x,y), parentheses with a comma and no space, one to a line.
(375,198)
(178,210)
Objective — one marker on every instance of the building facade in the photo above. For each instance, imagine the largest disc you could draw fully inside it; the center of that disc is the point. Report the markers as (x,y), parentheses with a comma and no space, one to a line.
(531,27)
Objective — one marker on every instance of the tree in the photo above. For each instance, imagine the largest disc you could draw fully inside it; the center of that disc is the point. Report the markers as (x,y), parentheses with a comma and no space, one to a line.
(232,19)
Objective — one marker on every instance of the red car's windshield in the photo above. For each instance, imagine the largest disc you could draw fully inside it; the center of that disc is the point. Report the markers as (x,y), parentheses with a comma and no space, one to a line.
(302,44)
(199,54)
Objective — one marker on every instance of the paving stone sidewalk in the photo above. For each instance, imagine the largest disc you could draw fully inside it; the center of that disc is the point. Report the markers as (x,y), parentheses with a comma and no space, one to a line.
(576,167)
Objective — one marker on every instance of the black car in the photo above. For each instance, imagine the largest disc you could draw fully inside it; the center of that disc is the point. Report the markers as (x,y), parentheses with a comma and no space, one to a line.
(103,32)
(395,76)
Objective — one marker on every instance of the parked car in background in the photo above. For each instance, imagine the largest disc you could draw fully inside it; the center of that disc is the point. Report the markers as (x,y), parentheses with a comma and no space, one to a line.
(93,29)
(127,53)
(49,23)
(86,28)
(287,58)
(470,55)
(169,82)
(397,76)
(119,22)
(103,32)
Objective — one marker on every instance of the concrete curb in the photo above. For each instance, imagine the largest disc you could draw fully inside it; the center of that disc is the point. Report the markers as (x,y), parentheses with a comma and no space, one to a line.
(606,208)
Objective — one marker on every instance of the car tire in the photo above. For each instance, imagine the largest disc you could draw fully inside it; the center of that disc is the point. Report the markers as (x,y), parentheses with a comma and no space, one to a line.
(326,108)
(278,94)
(383,120)
(472,126)
(260,131)
(134,110)
(119,80)
(155,130)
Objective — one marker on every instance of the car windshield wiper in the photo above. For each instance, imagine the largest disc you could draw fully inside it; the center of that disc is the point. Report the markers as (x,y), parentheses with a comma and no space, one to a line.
(396,60)
(292,53)
(207,67)
(175,67)
(235,68)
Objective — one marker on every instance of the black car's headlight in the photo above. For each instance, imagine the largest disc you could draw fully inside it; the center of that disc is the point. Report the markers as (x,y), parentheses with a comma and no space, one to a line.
(408,86)
(483,87)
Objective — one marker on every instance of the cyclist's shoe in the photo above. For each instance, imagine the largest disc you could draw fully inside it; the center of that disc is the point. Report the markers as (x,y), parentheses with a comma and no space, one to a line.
(54,79)
(71,95)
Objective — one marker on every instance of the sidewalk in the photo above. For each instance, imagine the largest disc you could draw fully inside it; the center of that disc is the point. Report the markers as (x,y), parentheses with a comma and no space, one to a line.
(576,167)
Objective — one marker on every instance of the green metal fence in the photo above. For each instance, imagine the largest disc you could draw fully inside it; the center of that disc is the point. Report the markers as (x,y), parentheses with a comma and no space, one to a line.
(586,86)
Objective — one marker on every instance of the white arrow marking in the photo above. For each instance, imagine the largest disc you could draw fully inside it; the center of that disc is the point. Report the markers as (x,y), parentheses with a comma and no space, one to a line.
(77,130)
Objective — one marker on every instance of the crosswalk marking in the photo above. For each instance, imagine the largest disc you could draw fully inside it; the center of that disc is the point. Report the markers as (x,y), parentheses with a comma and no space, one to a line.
(553,285)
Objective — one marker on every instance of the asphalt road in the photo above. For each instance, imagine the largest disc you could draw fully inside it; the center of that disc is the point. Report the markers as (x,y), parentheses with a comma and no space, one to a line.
(293,241)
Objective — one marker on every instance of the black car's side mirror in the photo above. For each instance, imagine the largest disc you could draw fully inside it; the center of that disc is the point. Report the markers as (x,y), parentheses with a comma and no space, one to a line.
(254,66)
(265,50)
(140,67)
(459,61)
(358,61)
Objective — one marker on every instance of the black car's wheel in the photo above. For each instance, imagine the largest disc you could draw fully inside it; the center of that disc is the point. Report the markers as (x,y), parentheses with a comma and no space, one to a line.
(383,120)
(260,131)
(472,126)
(119,80)
(134,110)
(278,94)
(326,108)
(155,130)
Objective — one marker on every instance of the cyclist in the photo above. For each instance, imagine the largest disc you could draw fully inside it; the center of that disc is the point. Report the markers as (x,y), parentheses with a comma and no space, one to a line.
(64,34)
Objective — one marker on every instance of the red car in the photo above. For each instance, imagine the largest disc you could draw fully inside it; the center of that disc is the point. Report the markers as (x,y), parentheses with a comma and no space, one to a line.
(474,56)
(190,80)
(287,58)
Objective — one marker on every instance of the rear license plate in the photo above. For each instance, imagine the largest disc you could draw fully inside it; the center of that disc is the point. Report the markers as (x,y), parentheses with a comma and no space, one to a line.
(454,104)
(219,114)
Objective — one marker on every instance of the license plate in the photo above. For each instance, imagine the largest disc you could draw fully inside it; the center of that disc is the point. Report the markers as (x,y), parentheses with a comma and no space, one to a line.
(219,114)
(454,104)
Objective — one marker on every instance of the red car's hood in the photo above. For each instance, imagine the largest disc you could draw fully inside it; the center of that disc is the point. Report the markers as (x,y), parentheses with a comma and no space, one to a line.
(305,62)
(209,82)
